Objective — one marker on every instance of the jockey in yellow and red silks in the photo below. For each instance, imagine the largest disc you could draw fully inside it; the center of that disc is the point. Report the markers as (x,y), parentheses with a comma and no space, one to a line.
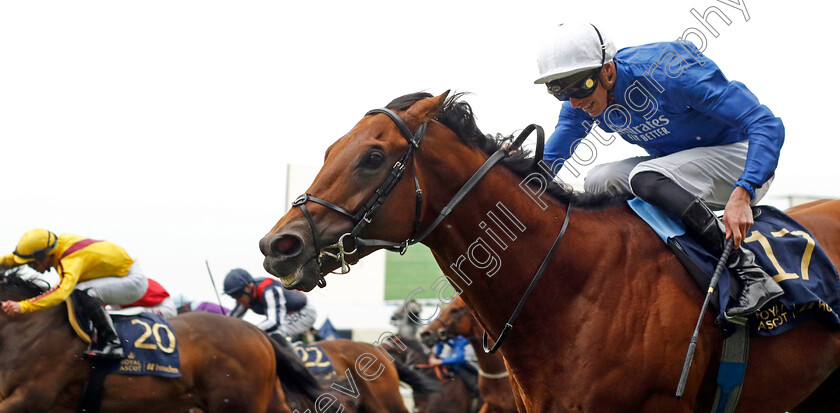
(102,271)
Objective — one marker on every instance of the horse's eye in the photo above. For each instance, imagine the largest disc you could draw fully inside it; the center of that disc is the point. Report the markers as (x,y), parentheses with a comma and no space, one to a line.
(374,159)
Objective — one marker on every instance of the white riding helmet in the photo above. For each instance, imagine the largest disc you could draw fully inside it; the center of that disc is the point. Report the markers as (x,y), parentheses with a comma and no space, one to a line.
(570,48)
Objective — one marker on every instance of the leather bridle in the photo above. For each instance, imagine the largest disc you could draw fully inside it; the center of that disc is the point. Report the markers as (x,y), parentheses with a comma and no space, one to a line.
(368,212)
(364,215)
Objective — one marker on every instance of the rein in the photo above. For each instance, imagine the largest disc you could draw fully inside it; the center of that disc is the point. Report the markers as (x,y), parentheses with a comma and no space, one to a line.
(366,214)
(509,325)
(368,211)
(438,370)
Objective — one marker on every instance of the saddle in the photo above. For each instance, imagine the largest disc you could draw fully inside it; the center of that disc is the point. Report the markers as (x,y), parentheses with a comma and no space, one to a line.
(147,339)
(782,247)
(316,361)
(786,251)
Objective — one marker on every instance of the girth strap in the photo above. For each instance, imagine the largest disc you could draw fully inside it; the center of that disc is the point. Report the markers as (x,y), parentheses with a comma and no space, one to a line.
(733,366)
(90,400)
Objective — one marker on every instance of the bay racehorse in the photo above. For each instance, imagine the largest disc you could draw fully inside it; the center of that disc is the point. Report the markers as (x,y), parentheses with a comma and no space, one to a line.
(446,393)
(366,381)
(493,383)
(42,368)
(606,329)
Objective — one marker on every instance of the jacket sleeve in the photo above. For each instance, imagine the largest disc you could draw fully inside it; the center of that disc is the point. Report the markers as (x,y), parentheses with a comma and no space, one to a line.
(438,349)
(68,280)
(238,311)
(8,260)
(707,90)
(275,309)
(568,133)
(458,354)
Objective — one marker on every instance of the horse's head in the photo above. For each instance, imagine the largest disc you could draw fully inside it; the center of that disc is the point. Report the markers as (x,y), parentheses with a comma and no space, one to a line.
(455,319)
(366,190)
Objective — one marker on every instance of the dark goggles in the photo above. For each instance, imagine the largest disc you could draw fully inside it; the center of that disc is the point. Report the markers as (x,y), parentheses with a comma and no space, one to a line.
(578,85)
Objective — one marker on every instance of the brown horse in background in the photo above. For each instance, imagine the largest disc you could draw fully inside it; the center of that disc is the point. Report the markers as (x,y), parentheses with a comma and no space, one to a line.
(358,391)
(608,326)
(493,382)
(227,365)
(447,394)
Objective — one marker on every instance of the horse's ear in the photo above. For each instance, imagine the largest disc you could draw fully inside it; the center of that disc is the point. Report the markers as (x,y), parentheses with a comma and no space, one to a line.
(424,110)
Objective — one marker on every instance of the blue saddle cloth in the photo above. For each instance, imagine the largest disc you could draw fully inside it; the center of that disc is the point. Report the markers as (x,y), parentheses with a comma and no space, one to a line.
(147,340)
(783,248)
(150,346)
(316,360)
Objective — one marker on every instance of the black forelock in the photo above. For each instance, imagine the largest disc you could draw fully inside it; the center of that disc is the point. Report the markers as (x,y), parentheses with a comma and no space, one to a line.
(13,282)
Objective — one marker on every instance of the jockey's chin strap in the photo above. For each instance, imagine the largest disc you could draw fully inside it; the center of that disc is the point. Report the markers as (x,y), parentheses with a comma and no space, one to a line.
(368,211)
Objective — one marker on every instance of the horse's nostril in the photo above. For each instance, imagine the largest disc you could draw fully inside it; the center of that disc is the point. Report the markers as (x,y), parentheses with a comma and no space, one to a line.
(286,245)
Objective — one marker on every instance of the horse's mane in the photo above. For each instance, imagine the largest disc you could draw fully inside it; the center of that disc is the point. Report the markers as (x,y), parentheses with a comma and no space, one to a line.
(458,116)
(13,282)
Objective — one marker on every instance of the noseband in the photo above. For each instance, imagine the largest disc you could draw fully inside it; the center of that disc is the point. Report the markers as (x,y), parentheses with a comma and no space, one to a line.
(366,214)
(368,211)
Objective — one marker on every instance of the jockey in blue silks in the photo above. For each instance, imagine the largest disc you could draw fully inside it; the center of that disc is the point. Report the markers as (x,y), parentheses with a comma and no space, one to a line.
(708,139)
(456,359)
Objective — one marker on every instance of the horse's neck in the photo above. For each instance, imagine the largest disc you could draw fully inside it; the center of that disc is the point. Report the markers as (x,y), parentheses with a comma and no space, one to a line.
(33,334)
(494,241)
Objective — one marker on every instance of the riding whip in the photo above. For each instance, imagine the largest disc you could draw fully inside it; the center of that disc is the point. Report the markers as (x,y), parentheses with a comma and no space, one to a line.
(215,290)
(727,249)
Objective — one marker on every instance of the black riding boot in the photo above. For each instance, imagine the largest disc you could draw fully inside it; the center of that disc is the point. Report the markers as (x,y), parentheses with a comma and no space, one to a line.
(757,288)
(105,343)
(470,378)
